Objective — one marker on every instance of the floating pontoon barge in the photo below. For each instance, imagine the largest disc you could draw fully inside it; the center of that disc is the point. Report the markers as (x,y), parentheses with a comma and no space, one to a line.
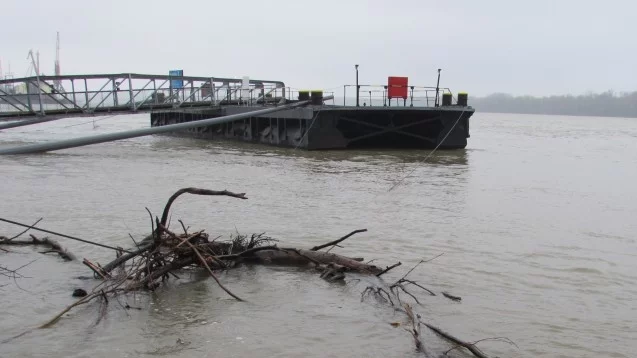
(396,115)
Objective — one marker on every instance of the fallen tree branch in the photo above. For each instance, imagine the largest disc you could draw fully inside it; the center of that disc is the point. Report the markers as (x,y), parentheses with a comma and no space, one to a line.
(333,272)
(196,191)
(203,262)
(420,262)
(52,244)
(13,273)
(469,346)
(59,234)
(452,297)
(388,268)
(402,280)
(183,226)
(331,243)
(404,290)
(415,328)
(247,253)
(97,270)
(414,318)
(290,256)
(129,255)
(27,229)
(164,270)
(499,339)
(153,233)
(81,301)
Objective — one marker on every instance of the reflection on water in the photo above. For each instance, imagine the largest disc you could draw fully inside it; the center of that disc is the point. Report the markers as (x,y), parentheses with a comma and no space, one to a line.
(535,219)
(180,144)
(318,162)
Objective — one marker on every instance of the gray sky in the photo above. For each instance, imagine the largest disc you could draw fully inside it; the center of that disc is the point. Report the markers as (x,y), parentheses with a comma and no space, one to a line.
(521,47)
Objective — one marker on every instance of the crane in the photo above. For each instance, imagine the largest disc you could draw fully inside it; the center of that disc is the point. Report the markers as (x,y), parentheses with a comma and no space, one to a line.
(36,66)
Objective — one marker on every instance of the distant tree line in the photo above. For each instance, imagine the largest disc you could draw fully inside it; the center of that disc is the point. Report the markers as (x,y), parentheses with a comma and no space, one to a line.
(606,104)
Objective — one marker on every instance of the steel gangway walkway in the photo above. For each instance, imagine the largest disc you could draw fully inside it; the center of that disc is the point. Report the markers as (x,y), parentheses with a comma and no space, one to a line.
(47,97)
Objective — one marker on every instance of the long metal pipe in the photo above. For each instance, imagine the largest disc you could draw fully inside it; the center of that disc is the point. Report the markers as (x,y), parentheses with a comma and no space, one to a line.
(26,122)
(109,137)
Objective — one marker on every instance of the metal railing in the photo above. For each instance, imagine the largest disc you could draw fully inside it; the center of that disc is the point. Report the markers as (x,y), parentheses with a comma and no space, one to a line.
(128,92)
(377,95)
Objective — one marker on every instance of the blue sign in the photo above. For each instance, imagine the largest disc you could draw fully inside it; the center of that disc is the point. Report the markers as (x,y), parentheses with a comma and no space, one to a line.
(176,83)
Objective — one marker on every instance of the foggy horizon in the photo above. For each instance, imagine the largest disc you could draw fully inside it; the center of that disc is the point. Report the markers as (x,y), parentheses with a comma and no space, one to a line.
(538,49)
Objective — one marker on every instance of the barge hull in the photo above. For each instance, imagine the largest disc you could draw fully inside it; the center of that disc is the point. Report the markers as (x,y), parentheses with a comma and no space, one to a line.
(333,127)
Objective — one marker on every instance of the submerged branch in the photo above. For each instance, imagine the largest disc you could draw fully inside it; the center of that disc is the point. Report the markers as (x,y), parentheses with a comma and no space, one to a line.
(471,347)
(27,229)
(388,269)
(332,243)
(53,246)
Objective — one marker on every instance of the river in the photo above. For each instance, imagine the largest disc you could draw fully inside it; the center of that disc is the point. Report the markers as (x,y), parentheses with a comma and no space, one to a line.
(535,221)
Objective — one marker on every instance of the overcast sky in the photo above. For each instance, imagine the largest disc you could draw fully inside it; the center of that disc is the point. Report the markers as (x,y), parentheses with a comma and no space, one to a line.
(521,47)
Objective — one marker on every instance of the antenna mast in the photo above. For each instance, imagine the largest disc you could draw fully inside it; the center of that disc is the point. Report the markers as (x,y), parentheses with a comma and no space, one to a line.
(57,84)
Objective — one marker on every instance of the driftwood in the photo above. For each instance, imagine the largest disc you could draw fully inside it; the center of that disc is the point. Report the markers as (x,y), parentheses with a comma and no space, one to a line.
(32,227)
(13,273)
(163,253)
(291,256)
(52,245)
(469,346)
(164,216)
(452,297)
(392,297)
(336,242)
(389,268)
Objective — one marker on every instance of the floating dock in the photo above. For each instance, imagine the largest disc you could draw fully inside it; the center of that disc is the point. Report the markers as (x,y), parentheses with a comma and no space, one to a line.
(391,116)
(332,127)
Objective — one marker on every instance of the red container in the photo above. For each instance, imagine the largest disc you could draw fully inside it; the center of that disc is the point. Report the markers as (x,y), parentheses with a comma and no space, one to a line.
(397,87)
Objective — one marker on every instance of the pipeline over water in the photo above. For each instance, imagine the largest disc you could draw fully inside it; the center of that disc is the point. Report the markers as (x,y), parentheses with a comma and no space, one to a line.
(27,122)
(109,137)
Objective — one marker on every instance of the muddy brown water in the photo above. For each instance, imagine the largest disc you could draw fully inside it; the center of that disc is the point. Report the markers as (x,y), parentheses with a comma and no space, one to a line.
(536,220)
